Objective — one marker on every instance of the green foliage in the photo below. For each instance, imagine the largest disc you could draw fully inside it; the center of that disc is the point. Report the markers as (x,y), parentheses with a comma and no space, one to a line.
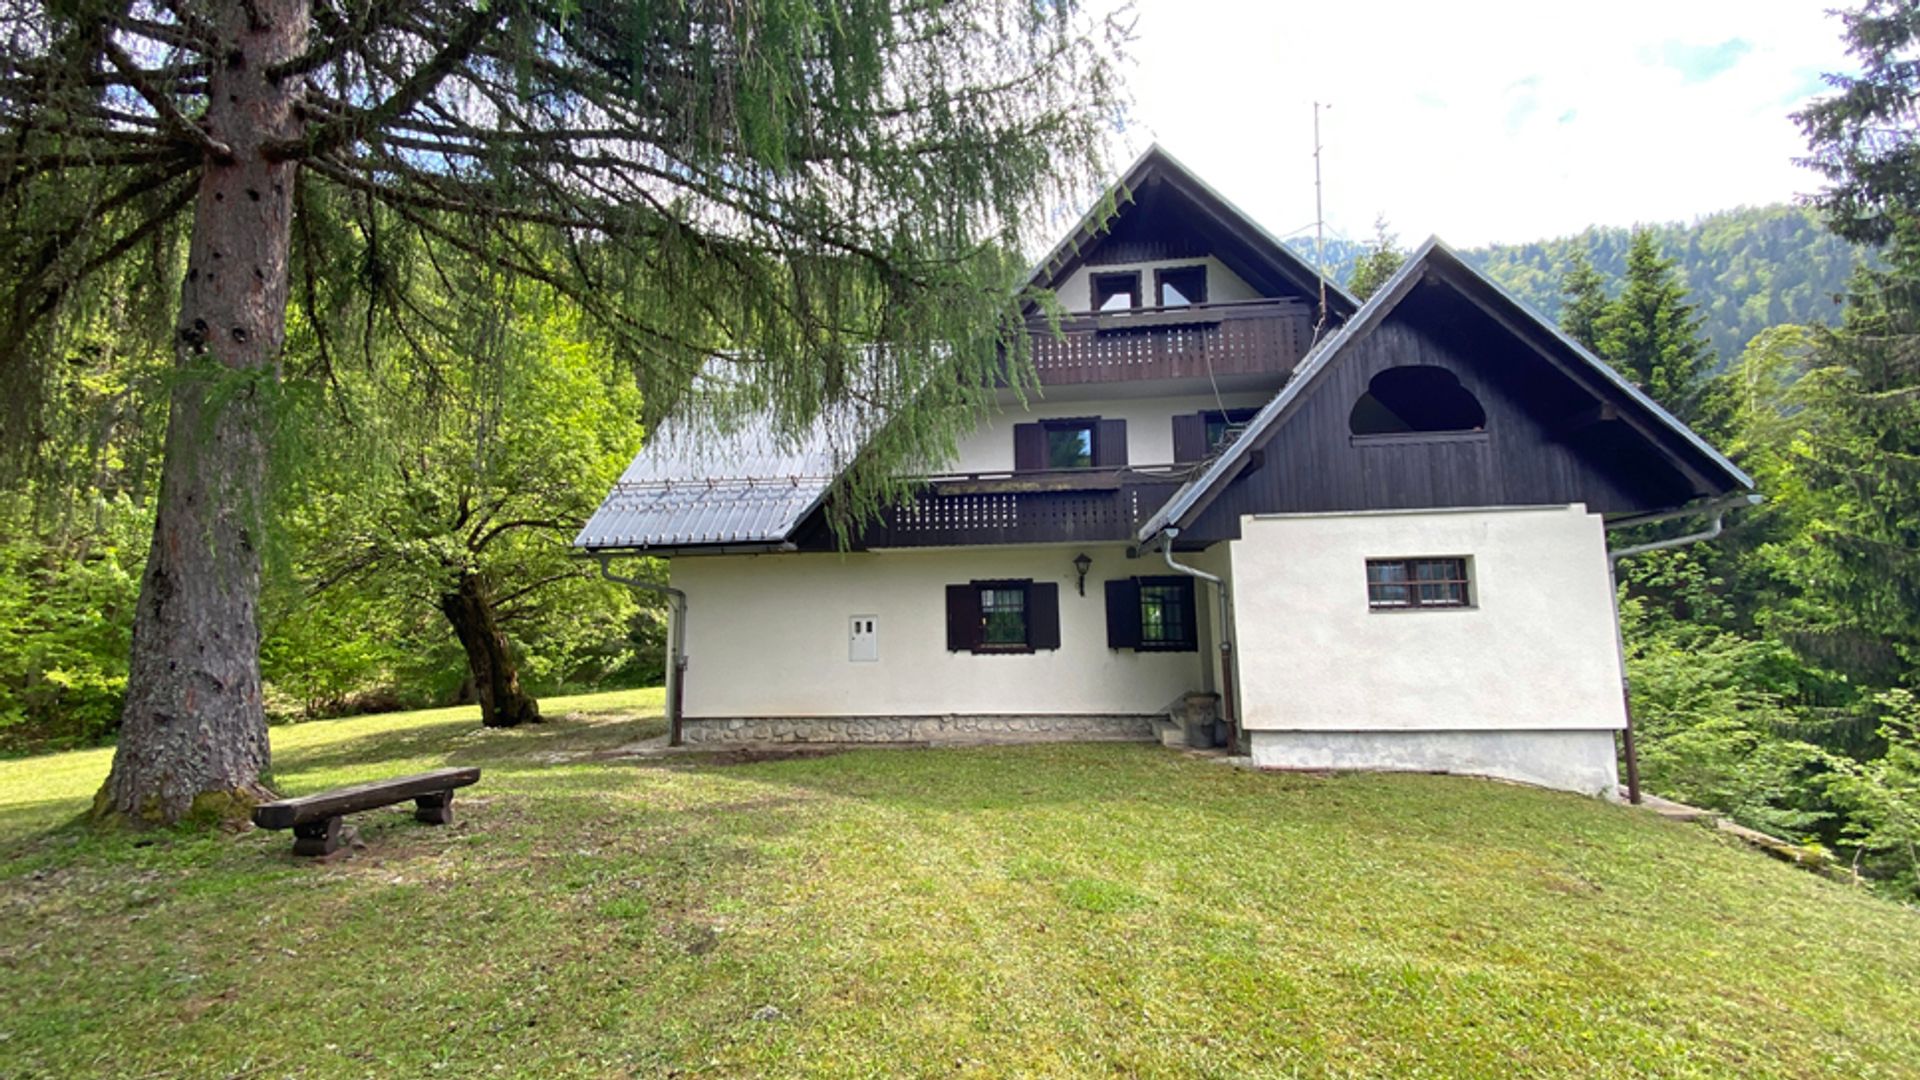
(1882,795)
(480,455)
(1863,137)
(1382,260)
(1650,332)
(1585,292)
(1744,270)
(66,612)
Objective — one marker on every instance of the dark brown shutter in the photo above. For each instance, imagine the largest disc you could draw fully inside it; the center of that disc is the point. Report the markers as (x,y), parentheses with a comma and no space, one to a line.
(963,618)
(1110,444)
(1190,437)
(1043,615)
(1029,447)
(1123,614)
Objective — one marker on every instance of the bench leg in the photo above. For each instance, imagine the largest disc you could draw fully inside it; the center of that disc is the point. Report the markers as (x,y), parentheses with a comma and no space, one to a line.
(317,837)
(434,809)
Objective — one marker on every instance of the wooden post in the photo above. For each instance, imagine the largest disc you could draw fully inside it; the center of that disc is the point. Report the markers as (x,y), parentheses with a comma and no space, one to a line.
(434,809)
(317,837)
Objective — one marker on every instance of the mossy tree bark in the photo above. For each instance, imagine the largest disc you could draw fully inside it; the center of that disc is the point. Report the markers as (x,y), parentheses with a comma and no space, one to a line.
(193,735)
(496,678)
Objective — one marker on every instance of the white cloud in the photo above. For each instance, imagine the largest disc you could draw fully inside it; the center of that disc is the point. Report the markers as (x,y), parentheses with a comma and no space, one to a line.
(1483,121)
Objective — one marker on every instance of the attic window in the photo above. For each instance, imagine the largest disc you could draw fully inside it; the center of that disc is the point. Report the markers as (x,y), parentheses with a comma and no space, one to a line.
(1416,398)
(1181,286)
(1116,292)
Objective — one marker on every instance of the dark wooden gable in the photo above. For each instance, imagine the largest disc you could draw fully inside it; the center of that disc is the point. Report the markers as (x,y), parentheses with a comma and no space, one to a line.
(1162,211)
(1547,439)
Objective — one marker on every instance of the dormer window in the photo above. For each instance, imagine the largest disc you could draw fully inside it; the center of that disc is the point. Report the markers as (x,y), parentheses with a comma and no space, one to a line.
(1181,286)
(1116,292)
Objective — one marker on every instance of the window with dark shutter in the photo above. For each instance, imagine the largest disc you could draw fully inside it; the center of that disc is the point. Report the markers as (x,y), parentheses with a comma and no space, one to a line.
(1070,443)
(1153,614)
(1014,616)
(1197,435)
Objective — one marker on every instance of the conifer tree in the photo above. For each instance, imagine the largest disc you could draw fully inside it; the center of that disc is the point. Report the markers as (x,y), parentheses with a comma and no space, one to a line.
(830,183)
(1651,334)
(1586,300)
(1862,456)
(1382,259)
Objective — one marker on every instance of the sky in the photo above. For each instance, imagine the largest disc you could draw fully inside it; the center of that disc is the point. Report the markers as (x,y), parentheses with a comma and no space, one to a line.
(1482,120)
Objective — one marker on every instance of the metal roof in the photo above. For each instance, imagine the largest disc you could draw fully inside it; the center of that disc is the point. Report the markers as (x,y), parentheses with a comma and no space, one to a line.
(695,486)
(1434,253)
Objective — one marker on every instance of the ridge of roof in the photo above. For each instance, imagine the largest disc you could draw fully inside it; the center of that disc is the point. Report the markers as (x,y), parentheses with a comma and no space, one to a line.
(1224,467)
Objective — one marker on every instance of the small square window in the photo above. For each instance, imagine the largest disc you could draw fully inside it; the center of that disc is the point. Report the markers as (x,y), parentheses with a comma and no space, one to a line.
(1115,292)
(1181,286)
(1394,584)
(1070,445)
(1003,617)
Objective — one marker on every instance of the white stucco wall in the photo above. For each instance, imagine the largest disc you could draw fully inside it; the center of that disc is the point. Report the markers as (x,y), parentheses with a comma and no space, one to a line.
(1149,427)
(1535,652)
(1223,285)
(767,636)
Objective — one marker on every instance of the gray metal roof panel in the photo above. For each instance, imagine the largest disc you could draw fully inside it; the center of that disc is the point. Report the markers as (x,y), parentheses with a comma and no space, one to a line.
(695,485)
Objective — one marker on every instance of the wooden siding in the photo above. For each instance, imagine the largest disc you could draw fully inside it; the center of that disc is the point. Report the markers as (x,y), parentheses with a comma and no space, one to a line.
(1545,443)
(1261,337)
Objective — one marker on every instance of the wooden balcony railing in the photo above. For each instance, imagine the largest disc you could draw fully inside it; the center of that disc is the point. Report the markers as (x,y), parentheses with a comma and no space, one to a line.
(1062,506)
(1254,337)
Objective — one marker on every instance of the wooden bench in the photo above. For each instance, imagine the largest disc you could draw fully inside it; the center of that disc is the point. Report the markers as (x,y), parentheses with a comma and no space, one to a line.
(315,819)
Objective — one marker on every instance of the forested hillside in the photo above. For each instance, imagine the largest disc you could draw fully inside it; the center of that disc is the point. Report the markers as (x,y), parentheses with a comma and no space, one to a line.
(1745,269)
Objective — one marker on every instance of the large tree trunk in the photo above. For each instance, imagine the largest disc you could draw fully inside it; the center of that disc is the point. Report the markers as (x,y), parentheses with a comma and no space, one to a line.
(193,738)
(496,679)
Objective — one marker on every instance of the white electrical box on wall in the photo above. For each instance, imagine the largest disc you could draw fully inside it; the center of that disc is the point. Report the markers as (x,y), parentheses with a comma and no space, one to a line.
(863,641)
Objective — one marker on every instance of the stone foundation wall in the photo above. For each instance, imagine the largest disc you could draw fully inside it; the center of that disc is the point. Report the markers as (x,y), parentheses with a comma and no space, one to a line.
(888,729)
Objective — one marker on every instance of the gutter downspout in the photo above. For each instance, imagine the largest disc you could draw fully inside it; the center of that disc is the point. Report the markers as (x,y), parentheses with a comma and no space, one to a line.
(1718,509)
(676,639)
(1227,704)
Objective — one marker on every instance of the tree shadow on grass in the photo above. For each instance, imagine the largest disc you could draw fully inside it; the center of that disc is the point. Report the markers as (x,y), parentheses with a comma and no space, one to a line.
(465,742)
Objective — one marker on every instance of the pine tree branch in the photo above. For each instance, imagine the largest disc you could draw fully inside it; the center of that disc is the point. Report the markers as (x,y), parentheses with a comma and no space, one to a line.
(408,93)
(162,104)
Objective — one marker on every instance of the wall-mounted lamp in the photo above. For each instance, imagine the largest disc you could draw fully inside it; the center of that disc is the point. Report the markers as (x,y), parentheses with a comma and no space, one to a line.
(1082,564)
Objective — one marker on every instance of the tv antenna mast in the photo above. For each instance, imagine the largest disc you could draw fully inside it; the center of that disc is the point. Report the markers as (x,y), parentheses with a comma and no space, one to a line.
(1319,222)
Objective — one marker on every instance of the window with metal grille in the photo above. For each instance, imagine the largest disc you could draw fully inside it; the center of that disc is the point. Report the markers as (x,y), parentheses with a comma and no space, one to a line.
(1152,614)
(1003,616)
(1165,619)
(1399,584)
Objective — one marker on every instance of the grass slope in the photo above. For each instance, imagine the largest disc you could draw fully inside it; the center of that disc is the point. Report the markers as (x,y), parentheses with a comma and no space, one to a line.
(1048,910)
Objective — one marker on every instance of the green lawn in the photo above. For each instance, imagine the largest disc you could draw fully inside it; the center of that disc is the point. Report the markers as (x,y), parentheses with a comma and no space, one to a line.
(1051,910)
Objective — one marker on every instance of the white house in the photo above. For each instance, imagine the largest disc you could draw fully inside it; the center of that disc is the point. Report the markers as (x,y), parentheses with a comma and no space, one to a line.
(1375,543)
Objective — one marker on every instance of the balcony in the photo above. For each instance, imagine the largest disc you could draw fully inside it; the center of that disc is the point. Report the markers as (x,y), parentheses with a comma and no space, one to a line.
(1252,337)
(1059,506)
